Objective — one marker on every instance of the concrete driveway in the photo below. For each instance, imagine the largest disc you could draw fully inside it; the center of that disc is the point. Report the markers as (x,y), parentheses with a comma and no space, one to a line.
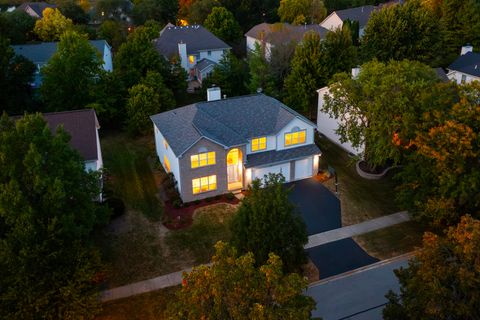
(320,209)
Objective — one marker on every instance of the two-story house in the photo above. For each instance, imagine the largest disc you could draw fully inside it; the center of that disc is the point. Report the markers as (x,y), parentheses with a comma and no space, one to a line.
(336,19)
(41,53)
(465,68)
(198,49)
(222,145)
(269,35)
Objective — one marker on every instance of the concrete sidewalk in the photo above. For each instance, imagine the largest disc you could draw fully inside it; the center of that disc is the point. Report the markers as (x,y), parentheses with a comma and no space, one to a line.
(356,229)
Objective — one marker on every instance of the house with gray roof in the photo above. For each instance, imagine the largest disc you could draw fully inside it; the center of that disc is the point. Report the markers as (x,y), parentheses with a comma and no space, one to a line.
(222,145)
(199,50)
(465,68)
(35,9)
(41,53)
(270,35)
(361,15)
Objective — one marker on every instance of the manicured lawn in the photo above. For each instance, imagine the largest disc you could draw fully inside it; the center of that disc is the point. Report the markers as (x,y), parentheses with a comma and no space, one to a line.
(392,241)
(128,163)
(361,199)
(210,224)
(148,306)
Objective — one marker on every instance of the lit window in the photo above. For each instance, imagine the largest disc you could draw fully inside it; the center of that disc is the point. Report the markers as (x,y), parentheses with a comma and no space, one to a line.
(204,184)
(191,59)
(259,144)
(166,164)
(294,138)
(165,144)
(202,159)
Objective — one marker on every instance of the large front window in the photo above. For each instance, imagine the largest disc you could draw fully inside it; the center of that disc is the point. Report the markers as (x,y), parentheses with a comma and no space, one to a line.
(204,184)
(202,159)
(259,144)
(293,138)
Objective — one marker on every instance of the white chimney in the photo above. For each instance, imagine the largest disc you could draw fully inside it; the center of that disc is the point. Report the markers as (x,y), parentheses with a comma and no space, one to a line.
(182,52)
(214,93)
(355,72)
(466,49)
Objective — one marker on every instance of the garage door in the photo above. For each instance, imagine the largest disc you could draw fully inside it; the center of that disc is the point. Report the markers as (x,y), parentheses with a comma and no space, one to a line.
(303,168)
(284,169)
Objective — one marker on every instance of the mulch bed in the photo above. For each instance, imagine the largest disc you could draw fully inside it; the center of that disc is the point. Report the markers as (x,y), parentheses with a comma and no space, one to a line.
(365,167)
(180,218)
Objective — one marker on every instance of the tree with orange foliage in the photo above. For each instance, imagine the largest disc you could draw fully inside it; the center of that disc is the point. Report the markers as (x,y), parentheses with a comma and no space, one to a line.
(443,280)
(234,288)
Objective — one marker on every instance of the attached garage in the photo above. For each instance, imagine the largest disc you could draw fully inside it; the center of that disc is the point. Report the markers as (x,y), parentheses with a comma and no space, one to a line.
(283,168)
(303,168)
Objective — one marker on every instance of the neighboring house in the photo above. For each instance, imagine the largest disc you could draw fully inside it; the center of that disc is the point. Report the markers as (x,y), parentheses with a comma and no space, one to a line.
(336,19)
(221,145)
(41,53)
(465,68)
(268,35)
(35,9)
(82,126)
(198,49)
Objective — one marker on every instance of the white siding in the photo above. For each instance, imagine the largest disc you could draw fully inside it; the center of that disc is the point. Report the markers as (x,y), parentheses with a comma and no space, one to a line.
(172,158)
(327,125)
(91,165)
(271,145)
(332,22)
(284,169)
(251,43)
(215,55)
(99,162)
(303,168)
(107,59)
(457,77)
(301,124)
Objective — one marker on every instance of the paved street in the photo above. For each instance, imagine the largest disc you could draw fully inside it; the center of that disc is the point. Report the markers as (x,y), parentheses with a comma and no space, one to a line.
(357,295)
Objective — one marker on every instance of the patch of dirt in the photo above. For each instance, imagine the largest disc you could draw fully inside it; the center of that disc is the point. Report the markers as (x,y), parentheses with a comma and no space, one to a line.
(310,271)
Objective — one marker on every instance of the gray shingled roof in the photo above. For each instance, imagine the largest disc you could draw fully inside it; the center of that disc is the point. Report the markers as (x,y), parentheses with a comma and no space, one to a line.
(274,156)
(360,14)
(441,74)
(196,37)
(468,63)
(40,53)
(283,32)
(229,122)
(204,64)
(37,7)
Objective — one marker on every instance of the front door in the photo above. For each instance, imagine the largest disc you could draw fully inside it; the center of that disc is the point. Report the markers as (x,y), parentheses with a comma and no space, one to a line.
(234,169)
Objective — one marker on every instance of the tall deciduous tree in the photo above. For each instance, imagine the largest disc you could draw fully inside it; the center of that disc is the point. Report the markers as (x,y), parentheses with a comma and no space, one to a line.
(113,32)
(16,74)
(72,10)
(442,281)
(260,71)
(52,25)
(267,222)
(302,11)
(200,9)
(222,23)
(441,178)
(406,31)
(16,26)
(70,76)
(314,64)
(381,108)
(49,269)
(163,11)
(231,74)
(234,288)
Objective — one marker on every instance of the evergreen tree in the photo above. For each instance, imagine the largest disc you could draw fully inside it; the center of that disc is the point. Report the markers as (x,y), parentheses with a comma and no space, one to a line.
(267,222)
(222,23)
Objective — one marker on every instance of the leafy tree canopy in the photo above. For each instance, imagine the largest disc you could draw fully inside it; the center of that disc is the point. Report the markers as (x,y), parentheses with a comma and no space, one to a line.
(49,270)
(222,23)
(52,25)
(442,281)
(234,288)
(16,26)
(71,9)
(406,31)
(302,11)
(381,108)
(113,32)
(163,11)
(16,74)
(70,76)
(266,222)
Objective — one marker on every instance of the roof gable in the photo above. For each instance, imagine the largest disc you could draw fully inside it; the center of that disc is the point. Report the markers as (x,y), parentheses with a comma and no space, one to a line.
(360,14)
(196,37)
(283,32)
(36,7)
(229,122)
(468,63)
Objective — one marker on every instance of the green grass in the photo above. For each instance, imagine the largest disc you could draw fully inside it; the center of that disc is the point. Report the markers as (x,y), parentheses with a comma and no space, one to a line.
(127,164)
(392,241)
(361,199)
(210,225)
(148,306)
